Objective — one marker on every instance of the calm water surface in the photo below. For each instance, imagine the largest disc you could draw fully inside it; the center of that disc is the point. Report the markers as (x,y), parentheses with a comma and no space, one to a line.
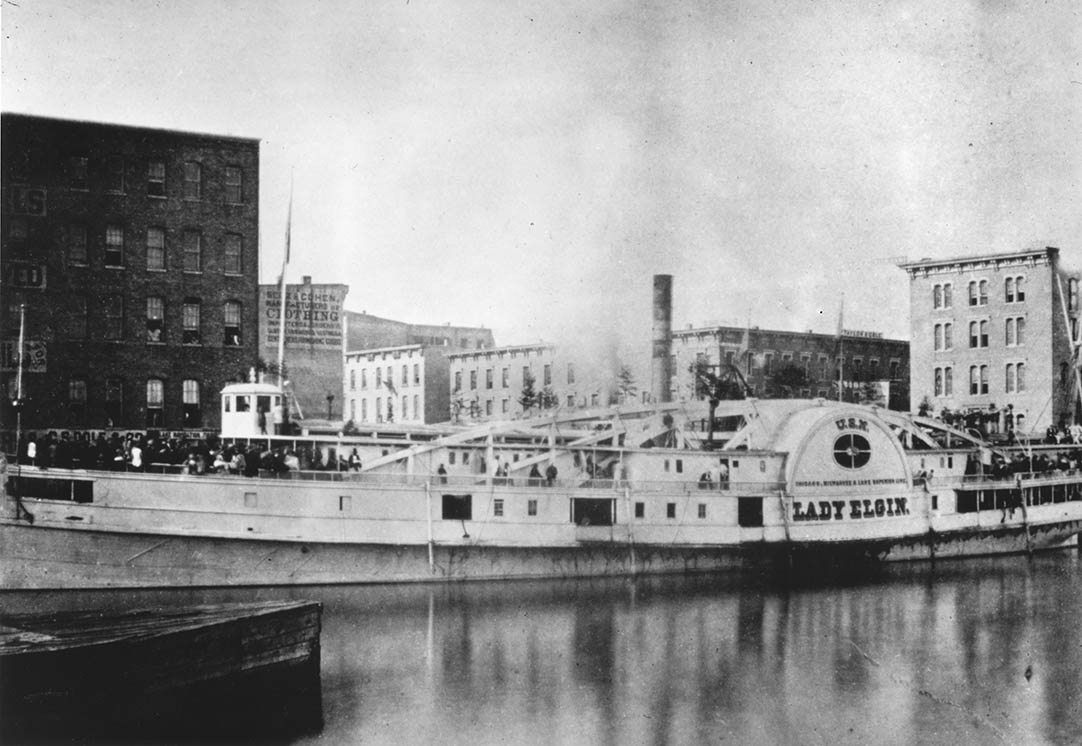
(971,652)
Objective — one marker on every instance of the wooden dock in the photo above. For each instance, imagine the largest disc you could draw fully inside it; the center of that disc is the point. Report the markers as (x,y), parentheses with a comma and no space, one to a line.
(244,671)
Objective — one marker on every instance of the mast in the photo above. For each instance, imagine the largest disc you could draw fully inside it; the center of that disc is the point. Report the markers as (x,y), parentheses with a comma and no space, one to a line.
(20,509)
(282,293)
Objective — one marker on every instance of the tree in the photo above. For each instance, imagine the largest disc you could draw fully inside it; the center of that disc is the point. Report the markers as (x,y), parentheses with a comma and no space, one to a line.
(457,405)
(625,385)
(715,388)
(871,393)
(528,398)
(547,399)
(786,382)
(925,408)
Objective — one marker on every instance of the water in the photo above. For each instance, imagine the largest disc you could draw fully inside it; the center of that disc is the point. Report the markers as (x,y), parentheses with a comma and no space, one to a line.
(980,651)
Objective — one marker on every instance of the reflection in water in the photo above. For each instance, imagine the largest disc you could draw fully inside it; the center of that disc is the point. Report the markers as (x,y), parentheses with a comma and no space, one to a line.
(973,652)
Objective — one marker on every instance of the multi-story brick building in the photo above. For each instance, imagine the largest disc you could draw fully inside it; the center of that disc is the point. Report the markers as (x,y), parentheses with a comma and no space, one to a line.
(365,331)
(406,384)
(135,254)
(991,339)
(797,364)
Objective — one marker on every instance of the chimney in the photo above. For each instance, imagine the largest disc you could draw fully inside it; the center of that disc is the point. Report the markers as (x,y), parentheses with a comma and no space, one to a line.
(662,339)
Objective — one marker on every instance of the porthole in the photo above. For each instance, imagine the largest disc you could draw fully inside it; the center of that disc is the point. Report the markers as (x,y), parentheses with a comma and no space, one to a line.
(852,451)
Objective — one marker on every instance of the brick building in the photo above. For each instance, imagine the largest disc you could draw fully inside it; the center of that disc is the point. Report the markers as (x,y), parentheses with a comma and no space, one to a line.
(766,359)
(135,253)
(365,331)
(991,339)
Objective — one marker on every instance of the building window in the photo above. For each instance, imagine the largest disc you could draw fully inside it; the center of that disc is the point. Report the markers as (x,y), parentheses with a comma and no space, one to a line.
(416,407)
(1008,290)
(473,380)
(1010,333)
(352,380)
(1072,294)
(488,407)
(547,380)
(155,248)
(352,410)
(974,380)
(982,293)
(488,378)
(156,179)
(233,253)
(570,372)
(232,316)
(192,320)
(938,382)
(1020,369)
(193,251)
(405,408)
(526,374)
(379,377)
(114,317)
(77,244)
(505,378)
(364,410)
(1019,293)
(364,379)
(937,296)
(76,326)
(193,180)
(114,246)
(416,374)
(948,381)
(114,402)
(405,375)
(77,401)
(1011,380)
(193,413)
(155,319)
(155,402)
(114,174)
(570,400)
(77,165)
(234,179)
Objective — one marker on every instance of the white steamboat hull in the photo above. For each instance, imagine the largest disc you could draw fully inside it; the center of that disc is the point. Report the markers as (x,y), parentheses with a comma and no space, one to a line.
(33,557)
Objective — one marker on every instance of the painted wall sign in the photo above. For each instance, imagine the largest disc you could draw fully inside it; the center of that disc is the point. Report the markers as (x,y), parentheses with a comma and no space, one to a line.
(313,315)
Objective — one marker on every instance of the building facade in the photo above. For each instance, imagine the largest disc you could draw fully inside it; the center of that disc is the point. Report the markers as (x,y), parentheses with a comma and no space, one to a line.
(991,340)
(491,384)
(406,384)
(775,363)
(134,252)
(314,344)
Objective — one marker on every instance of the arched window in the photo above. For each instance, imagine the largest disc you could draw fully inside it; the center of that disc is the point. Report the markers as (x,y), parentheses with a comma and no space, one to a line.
(973,334)
(937,296)
(939,382)
(974,380)
(1011,380)
(1010,333)
(983,300)
(1008,290)
(973,293)
(1021,368)
(948,381)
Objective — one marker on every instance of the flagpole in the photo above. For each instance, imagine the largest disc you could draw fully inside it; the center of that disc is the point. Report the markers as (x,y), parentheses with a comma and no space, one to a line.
(282,292)
(841,349)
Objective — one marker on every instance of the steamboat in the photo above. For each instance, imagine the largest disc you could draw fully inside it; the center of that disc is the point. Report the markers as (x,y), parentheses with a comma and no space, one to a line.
(624,491)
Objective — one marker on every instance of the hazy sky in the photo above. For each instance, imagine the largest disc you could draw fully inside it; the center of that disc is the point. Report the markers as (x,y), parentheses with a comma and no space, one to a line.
(528,167)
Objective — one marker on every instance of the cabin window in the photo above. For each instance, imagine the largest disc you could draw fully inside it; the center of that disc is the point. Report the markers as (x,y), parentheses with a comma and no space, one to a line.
(531,507)
(451,457)
(679,466)
(251,500)
(702,510)
(75,490)
(345,503)
(749,512)
(457,507)
(670,510)
(593,511)
(243,404)
(935,502)
(640,510)
(497,507)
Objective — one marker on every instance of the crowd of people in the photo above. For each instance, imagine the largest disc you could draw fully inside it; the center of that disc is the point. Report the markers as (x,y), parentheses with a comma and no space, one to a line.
(150,452)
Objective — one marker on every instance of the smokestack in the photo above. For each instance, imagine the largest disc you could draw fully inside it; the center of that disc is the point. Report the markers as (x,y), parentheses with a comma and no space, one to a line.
(662,355)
